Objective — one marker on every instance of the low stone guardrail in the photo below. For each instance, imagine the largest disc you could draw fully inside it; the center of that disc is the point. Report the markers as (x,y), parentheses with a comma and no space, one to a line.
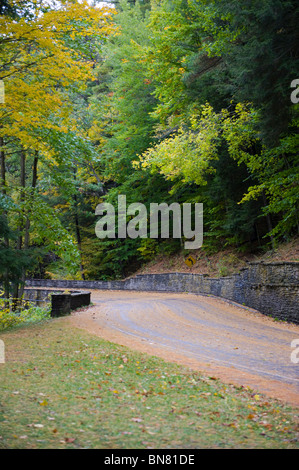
(62,302)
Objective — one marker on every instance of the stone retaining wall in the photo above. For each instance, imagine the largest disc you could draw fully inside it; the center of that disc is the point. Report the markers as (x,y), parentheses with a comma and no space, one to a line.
(61,302)
(271,288)
(38,296)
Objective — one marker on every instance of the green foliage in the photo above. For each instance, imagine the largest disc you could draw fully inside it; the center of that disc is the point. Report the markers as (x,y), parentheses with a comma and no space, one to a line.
(185,101)
(148,248)
(192,148)
(262,60)
(123,122)
(12,261)
(26,313)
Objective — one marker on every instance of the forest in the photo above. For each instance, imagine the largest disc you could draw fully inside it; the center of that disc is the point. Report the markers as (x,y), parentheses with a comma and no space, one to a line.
(162,101)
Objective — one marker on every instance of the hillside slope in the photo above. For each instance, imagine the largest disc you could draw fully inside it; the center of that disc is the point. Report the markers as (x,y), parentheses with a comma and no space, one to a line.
(218,264)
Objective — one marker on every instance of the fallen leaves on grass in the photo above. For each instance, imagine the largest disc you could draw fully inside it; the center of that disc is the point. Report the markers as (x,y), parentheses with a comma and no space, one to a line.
(67,440)
(43,403)
(136,420)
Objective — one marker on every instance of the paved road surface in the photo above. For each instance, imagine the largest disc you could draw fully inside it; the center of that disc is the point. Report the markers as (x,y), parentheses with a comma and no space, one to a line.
(233,343)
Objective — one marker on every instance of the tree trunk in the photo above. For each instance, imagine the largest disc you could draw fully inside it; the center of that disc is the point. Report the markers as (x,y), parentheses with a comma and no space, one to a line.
(18,290)
(78,235)
(22,196)
(27,223)
(3,191)
(269,222)
(77,229)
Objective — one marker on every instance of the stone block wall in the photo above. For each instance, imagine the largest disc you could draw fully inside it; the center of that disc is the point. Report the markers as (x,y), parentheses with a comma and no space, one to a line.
(38,296)
(79,299)
(271,288)
(61,302)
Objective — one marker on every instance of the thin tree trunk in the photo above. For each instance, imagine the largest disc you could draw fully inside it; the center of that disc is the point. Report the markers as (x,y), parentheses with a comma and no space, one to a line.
(18,291)
(257,233)
(34,170)
(77,228)
(27,223)
(22,196)
(269,222)
(2,167)
(33,185)
(3,191)
(78,235)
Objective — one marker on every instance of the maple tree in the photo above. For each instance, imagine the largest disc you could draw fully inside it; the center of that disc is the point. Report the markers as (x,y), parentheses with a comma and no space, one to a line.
(45,55)
(42,54)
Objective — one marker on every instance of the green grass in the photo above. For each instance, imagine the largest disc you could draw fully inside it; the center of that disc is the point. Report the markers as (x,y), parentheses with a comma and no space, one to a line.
(29,313)
(64,388)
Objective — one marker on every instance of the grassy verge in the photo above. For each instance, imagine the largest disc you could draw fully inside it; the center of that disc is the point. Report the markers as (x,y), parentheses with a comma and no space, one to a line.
(26,314)
(63,388)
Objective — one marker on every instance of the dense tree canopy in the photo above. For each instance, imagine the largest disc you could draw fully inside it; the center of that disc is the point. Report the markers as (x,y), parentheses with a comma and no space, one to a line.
(163,101)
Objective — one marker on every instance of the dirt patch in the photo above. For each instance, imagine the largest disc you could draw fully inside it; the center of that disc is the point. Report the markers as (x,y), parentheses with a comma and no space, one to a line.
(222,263)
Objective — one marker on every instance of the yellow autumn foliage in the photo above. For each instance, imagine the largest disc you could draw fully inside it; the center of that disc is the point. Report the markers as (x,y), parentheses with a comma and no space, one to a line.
(40,57)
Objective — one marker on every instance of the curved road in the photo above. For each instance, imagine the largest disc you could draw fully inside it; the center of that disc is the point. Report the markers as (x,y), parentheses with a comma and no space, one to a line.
(236,344)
